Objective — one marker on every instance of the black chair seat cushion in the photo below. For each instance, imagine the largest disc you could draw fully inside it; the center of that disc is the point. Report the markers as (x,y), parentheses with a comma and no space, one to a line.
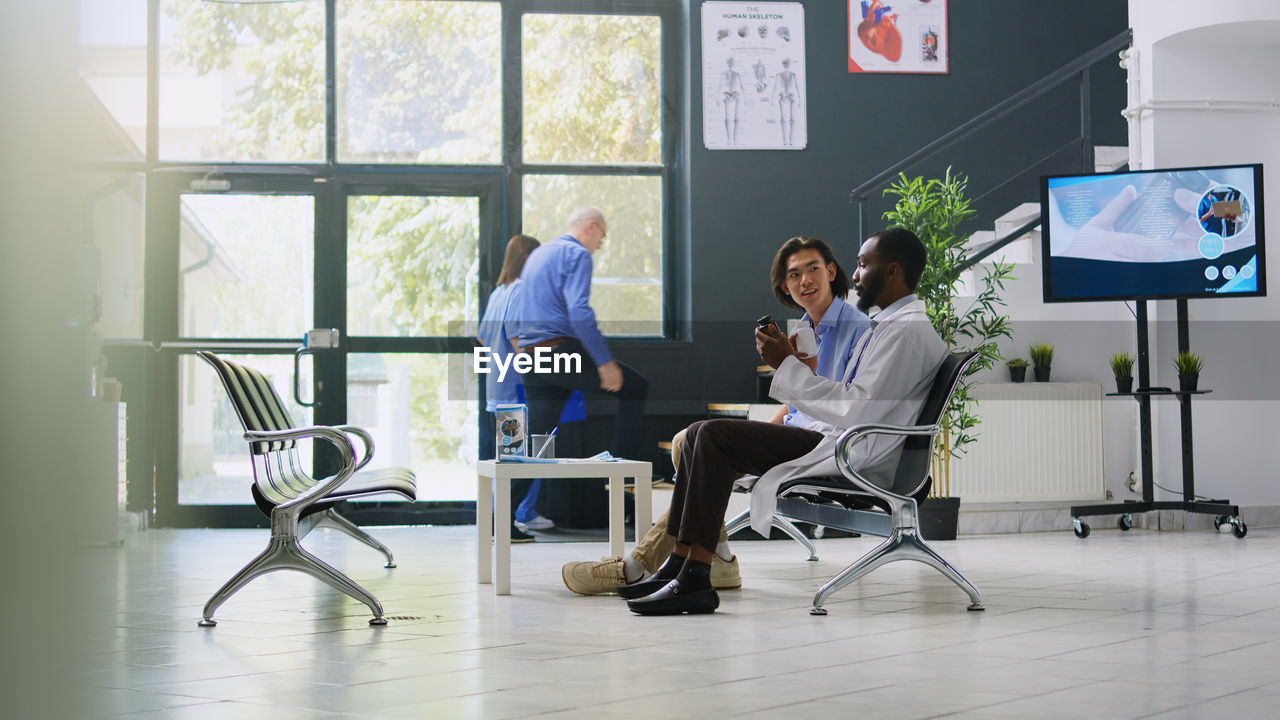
(842,491)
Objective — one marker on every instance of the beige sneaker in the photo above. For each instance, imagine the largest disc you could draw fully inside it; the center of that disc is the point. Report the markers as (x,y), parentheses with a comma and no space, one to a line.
(596,578)
(725,575)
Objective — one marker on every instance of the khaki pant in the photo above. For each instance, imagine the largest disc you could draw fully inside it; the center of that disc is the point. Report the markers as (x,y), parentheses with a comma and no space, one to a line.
(656,545)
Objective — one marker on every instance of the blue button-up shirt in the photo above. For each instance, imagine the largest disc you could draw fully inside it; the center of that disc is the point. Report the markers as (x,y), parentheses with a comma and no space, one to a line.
(838,332)
(555,298)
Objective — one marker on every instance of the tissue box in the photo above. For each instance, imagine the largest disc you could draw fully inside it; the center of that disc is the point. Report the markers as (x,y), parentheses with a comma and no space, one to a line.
(511,426)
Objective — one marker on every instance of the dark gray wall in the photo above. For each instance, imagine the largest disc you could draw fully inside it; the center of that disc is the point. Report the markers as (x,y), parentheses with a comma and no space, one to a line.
(741,205)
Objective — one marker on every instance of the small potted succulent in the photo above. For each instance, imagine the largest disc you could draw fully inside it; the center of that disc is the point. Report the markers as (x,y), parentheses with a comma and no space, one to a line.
(1189,366)
(1042,358)
(1017,369)
(1122,368)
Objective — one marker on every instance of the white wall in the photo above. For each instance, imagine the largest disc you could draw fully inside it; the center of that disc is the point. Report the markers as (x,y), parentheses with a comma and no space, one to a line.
(1084,336)
(1224,51)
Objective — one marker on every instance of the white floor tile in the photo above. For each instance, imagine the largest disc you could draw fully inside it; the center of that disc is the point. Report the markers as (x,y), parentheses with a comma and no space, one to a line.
(1121,625)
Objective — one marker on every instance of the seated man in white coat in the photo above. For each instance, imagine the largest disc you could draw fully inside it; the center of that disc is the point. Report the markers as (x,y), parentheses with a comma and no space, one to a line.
(887,381)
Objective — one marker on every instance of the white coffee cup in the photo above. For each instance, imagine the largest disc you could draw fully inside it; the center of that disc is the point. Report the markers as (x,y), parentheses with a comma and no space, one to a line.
(806,340)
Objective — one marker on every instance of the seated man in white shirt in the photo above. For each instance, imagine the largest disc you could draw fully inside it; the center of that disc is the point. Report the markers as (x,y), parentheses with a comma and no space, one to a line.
(887,381)
(805,276)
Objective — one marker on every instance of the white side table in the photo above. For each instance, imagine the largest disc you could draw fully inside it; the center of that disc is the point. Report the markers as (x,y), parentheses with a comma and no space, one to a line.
(500,475)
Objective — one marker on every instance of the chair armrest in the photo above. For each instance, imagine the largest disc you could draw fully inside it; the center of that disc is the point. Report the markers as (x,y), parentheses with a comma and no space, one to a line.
(859,432)
(365,437)
(335,437)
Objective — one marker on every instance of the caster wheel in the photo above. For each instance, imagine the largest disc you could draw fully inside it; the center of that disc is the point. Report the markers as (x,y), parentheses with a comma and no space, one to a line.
(1239,529)
(1217,522)
(1125,522)
(1082,530)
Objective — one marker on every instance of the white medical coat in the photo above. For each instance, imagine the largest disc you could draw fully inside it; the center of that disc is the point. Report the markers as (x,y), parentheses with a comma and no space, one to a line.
(895,364)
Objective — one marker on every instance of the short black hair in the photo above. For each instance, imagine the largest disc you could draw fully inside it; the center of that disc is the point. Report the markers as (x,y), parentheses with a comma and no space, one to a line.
(902,246)
(778,273)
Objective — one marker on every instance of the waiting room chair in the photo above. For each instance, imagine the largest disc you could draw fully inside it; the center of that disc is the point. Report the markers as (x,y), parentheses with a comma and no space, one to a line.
(294,501)
(853,503)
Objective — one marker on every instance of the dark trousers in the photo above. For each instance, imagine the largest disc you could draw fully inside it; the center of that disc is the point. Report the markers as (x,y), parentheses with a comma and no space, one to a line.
(547,393)
(715,453)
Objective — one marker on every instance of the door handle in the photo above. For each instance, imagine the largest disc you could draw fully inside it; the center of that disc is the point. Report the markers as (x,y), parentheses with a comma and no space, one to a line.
(318,339)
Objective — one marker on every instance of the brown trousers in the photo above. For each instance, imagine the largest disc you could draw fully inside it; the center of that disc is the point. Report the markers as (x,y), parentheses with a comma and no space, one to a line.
(715,453)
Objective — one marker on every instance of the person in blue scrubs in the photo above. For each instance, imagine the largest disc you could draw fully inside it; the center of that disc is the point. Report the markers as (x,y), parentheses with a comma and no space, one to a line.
(495,333)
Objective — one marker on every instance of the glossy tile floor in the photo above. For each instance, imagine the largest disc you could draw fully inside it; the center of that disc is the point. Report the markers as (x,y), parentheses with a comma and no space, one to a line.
(1121,625)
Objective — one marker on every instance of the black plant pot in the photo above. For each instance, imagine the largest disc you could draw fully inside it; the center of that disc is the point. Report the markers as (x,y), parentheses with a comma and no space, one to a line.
(1017,374)
(1188,383)
(1042,374)
(1124,384)
(939,517)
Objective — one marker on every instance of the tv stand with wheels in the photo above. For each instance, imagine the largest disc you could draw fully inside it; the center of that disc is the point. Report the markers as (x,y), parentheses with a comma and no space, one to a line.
(1222,510)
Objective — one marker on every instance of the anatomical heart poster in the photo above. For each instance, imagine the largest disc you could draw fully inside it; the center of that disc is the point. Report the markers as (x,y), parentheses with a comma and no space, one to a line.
(753,76)
(898,36)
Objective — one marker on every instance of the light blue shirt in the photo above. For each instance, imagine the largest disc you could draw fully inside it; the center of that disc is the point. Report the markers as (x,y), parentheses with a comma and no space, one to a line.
(556,298)
(494,331)
(838,332)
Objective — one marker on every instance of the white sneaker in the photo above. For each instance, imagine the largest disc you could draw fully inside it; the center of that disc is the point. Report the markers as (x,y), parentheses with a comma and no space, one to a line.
(537,523)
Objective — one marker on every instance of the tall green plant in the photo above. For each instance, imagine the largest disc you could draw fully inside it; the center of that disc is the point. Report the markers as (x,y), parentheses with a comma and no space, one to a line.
(934,210)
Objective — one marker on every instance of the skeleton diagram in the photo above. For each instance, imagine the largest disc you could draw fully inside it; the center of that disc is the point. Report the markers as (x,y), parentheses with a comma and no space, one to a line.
(786,87)
(731,92)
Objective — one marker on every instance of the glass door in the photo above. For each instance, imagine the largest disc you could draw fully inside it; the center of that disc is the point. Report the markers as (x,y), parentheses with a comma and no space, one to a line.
(418,268)
(399,268)
(238,273)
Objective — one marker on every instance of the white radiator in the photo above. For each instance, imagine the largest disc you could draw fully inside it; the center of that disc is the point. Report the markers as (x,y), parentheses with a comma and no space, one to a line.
(1037,442)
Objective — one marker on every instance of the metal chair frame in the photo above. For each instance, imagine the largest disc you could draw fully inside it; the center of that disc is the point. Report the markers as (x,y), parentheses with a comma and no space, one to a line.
(853,503)
(295,502)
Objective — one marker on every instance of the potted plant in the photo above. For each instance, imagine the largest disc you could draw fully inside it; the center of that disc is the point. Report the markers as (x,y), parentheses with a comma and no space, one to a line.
(1042,358)
(1017,369)
(1122,368)
(1189,366)
(934,210)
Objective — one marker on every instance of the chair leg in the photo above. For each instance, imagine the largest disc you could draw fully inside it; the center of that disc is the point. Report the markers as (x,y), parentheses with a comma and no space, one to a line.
(903,544)
(332,519)
(284,553)
(794,533)
(743,519)
(929,556)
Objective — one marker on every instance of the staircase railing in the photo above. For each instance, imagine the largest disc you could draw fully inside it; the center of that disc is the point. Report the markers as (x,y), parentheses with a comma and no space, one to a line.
(1077,70)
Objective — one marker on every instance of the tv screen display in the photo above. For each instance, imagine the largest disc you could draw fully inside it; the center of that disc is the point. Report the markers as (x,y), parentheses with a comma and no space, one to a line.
(1153,234)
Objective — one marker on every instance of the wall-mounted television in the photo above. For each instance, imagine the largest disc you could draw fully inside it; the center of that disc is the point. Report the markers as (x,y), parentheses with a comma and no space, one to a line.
(1153,234)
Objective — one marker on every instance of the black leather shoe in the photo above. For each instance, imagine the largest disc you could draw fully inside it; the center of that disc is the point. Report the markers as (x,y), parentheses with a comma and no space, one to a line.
(641,589)
(675,600)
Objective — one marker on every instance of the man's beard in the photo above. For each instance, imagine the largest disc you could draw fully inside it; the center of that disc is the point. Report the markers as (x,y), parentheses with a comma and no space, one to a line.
(870,290)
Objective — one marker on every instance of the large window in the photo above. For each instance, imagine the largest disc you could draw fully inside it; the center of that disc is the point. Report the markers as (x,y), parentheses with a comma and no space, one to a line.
(241,81)
(593,134)
(413,265)
(592,89)
(359,165)
(419,82)
(626,281)
(245,265)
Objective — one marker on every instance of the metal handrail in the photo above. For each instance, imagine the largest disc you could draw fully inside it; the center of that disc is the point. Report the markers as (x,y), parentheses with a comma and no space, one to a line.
(1078,67)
